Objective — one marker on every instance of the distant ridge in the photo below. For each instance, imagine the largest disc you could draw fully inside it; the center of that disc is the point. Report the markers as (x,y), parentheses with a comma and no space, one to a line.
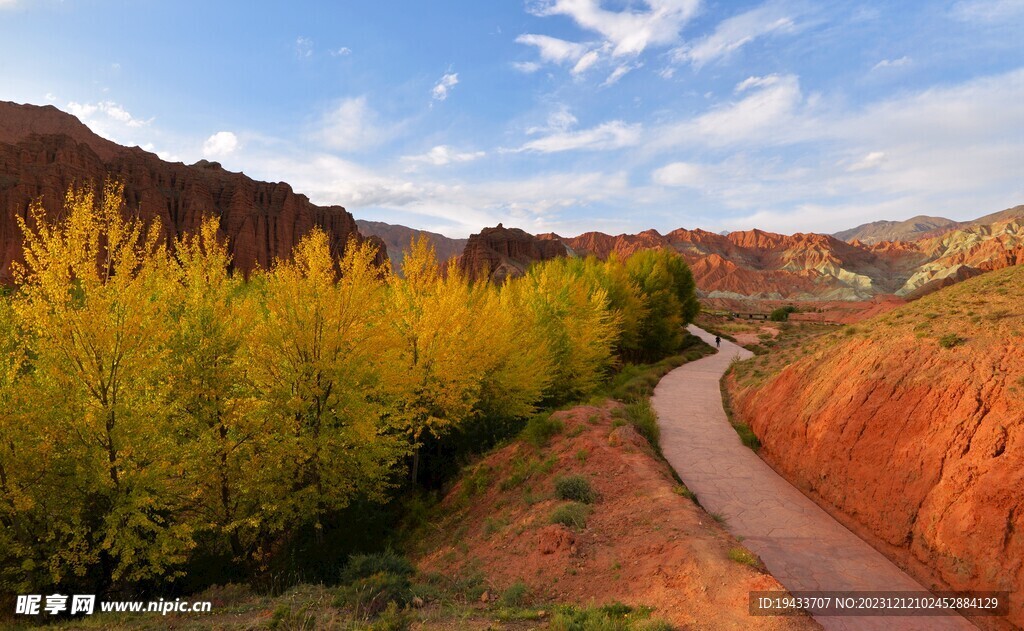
(396,239)
(920,227)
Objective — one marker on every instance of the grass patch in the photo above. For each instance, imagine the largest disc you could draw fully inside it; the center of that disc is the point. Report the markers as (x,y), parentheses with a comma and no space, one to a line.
(366,565)
(575,488)
(612,617)
(747,435)
(744,556)
(515,595)
(637,381)
(950,340)
(524,469)
(572,515)
(681,490)
(540,429)
(644,419)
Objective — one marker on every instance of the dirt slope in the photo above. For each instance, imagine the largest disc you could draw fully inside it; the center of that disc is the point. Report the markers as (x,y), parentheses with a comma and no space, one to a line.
(910,428)
(644,544)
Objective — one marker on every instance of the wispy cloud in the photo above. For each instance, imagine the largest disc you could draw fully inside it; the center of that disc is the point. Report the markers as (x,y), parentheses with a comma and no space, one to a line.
(768,112)
(988,10)
(444,85)
(618,73)
(630,31)
(623,34)
(109,119)
(351,126)
(736,32)
(893,63)
(303,47)
(606,136)
(442,155)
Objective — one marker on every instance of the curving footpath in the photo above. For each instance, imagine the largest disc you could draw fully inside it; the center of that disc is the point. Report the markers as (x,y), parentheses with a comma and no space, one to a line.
(801,545)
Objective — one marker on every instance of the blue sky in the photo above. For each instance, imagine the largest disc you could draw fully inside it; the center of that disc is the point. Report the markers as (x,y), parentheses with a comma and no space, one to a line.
(557,115)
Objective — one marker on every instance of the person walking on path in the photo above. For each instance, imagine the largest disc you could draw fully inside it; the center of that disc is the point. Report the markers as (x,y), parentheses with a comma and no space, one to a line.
(718,341)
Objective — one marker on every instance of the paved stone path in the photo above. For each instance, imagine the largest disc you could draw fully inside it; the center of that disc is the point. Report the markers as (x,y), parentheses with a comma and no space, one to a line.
(802,545)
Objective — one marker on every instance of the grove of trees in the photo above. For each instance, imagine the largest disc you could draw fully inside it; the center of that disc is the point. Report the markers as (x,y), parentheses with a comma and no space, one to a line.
(157,409)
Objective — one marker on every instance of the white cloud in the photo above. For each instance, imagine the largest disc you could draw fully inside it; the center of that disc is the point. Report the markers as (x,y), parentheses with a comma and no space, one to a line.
(350,126)
(988,10)
(220,144)
(680,174)
(871,161)
(50,96)
(585,62)
(756,82)
(606,136)
(769,113)
(734,33)
(526,67)
(893,63)
(444,85)
(618,73)
(442,155)
(630,31)
(303,47)
(341,52)
(554,50)
(7,4)
(559,120)
(108,119)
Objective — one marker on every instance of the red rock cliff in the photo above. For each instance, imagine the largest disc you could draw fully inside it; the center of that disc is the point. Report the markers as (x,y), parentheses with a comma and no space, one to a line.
(499,253)
(43,151)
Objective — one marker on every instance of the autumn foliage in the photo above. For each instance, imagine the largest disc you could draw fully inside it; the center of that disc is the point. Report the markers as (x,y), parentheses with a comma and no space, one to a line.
(156,408)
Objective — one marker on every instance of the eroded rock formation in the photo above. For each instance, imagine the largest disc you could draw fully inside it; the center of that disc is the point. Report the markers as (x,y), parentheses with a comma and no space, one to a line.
(498,253)
(43,151)
(911,429)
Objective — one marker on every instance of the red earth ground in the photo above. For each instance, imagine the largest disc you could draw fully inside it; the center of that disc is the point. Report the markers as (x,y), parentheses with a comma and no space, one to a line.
(644,544)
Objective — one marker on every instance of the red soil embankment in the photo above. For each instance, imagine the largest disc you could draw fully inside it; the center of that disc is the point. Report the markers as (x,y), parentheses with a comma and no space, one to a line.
(910,428)
(644,544)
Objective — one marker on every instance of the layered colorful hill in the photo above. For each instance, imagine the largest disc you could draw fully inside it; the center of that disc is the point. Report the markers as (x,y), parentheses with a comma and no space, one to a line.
(43,151)
(910,427)
(768,266)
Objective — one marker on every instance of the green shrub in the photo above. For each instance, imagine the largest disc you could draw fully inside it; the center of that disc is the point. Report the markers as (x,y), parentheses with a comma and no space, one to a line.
(366,565)
(392,619)
(369,596)
(642,416)
(950,340)
(540,428)
(301,620)
(515,595)
(576,488)
(781,314)
(571,515)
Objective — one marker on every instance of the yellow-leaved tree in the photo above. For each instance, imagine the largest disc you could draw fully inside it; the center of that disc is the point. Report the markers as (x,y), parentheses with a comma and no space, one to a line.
(573,320)
(212,395)
(315,356)
(94,289)
(447,345)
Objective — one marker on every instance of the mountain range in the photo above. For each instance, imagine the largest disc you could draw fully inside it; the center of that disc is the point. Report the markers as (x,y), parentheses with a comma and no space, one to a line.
(43,151)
